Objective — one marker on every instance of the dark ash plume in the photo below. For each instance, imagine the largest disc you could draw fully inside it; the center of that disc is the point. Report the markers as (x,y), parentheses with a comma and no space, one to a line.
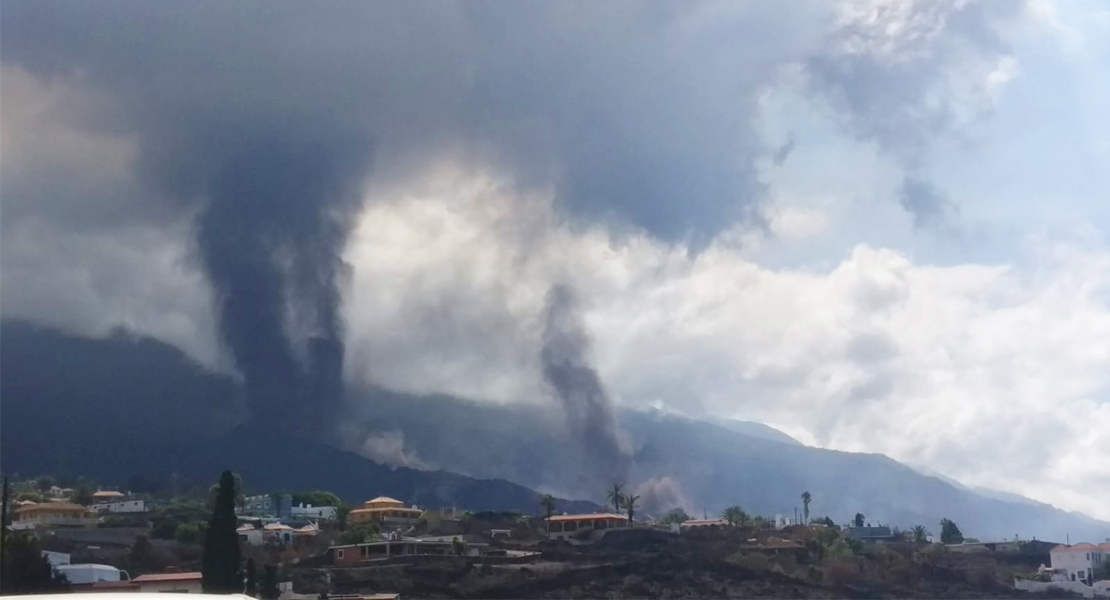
(277,217)
(589,411)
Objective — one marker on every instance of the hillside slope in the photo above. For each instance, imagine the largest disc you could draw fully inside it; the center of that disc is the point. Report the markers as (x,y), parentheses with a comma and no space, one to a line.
(124,406)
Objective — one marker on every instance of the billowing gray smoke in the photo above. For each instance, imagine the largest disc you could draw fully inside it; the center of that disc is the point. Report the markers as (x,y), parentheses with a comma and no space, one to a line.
(589,411)
(277,217)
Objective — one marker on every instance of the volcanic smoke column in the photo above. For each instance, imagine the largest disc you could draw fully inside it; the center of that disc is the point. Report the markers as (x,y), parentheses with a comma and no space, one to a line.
(589,411)
(279,211)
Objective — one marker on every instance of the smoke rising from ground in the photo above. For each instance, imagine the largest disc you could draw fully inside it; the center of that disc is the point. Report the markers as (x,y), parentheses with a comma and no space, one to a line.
(577,386)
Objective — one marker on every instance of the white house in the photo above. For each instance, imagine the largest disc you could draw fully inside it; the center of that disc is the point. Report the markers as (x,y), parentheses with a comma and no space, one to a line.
(313,512)
(124,506)
(250,534)
(1079,562)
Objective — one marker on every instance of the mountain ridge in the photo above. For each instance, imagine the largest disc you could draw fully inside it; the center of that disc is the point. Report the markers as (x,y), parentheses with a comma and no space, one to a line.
(494,456)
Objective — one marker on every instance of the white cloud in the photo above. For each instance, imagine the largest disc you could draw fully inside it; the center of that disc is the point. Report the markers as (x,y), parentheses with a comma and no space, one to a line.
(995,376)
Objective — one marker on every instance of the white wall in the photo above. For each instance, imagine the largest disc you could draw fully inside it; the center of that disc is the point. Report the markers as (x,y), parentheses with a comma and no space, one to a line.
(1079,563)
(125,506)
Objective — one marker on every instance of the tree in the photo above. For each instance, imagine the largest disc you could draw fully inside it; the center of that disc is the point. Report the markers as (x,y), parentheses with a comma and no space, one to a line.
(43,483)
(187,533)
(220,562)
(251,588)
(82,495)
(25,568)
(859,519)
(341,513)
(826,521)
(919,533)
(141,553)
(676,516)
(317,498)
(806,497)
(240,496)
(949,532)
(548,504)
(358,533)
(630,504)
(734,515)
(268,590)
(459,546)
(616,497)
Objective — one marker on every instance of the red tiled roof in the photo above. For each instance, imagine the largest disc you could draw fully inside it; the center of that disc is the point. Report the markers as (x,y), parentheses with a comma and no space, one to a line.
(188,576)
(1081,547)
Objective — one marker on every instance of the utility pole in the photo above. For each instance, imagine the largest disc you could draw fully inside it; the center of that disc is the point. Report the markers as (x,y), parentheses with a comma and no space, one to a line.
(4,516)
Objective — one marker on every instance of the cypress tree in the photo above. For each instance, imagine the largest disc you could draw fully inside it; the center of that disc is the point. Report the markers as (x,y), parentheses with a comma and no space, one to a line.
(269,588)
(252,579)
(220,563)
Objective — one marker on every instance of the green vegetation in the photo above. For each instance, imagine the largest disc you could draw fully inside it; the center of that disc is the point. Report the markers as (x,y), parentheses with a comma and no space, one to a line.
(548,504)
(317,498)
(82,495)
(181,511)
(43,483)
(735,516)
(356,533)
(826,521)
(459,546)
(187,533)
(268,589)
(141,554)
(251,588)
(859,520)
(25,569)
(806,498)
(341,513)
(919,533)
(220,561)
(950,533)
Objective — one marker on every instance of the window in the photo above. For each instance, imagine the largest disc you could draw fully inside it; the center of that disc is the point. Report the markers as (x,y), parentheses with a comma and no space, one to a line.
(556,527)
(570,526)
(339,555)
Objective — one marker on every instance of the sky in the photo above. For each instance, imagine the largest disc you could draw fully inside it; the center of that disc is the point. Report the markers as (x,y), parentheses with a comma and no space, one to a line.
(877,225)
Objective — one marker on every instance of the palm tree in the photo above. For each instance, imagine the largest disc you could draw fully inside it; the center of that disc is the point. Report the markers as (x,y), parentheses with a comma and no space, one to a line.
(630,504)
(806,497)
(919,533)
(548,504)
(734,515)
(616,497)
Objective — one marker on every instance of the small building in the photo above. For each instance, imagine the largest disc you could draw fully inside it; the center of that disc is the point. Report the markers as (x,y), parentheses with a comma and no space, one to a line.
(880,533)
(692,523)
(304,511)
(278,532)
(179,583)
(52,514)
(385,510)
(123,506)
(249,534)
(106,496)
(561,527)
(1080,561)
(355,554)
